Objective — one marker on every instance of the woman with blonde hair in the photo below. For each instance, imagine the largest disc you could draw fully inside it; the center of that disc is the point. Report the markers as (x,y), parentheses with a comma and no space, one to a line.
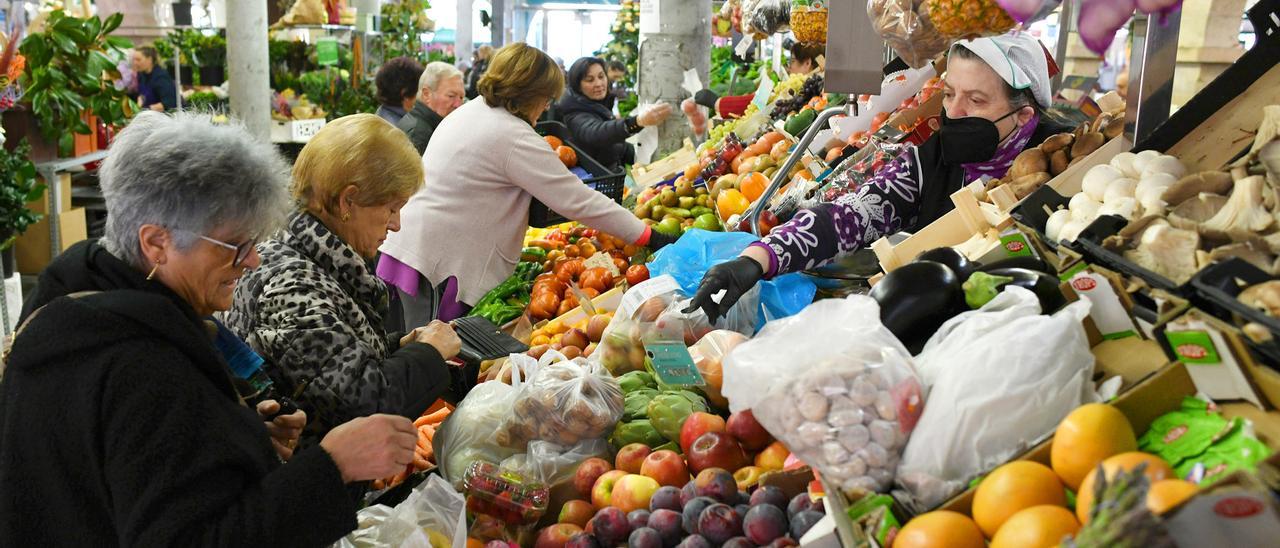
(315,311)
(485,164)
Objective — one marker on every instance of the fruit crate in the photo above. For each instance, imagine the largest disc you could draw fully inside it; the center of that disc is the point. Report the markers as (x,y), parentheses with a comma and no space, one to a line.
(1216,290)
(609,183)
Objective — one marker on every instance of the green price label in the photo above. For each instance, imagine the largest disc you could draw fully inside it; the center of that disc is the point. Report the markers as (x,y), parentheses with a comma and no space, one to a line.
(1193,347)
(1015,245)
(672,363)
(327,51)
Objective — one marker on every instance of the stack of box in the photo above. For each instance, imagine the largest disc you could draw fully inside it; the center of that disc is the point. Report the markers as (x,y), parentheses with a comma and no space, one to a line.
(34,247)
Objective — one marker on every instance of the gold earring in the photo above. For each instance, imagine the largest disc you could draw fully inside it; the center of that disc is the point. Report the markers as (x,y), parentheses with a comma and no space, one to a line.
(346,217)
(152,274)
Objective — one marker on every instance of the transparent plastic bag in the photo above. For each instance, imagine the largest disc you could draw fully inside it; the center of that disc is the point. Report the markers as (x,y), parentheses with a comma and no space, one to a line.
(905,25)
(434,514)
(468,434)
(765,17)
(552,463)
(1003,378)
(847,399)
(708,356)
(564,401)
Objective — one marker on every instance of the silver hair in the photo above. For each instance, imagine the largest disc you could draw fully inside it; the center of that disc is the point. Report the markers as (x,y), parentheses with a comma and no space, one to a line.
(436,72)
(192,176)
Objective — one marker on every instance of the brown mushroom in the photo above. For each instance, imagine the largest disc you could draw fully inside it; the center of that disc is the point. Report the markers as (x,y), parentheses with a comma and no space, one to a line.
(1086,144)
(1025,185)
(1264,296)
(1190,186)
(1032,160)
(1113,129)
(1058,162)
(1057,142)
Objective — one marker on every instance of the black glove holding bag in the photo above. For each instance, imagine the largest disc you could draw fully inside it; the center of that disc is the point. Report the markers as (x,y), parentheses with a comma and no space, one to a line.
(735,278)
(658,240)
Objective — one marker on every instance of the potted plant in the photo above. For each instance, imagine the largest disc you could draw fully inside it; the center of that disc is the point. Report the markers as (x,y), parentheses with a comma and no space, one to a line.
(18,187)
(71,68)
(211,55)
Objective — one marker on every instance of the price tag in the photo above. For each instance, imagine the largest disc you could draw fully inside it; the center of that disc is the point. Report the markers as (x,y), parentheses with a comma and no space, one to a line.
(1194,347)
(761,98)
(327,51)
(672,363)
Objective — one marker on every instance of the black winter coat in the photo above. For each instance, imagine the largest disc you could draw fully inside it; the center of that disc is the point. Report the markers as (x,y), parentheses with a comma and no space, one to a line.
(419,124)
(596,131)
(120,426)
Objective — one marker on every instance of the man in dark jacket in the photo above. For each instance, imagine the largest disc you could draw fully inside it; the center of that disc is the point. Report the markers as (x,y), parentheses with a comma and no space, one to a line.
(587,108)
(440,92)
(156,90)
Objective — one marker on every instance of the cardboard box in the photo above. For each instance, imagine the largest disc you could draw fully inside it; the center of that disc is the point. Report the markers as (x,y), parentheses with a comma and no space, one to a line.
(33,248)
(45,203)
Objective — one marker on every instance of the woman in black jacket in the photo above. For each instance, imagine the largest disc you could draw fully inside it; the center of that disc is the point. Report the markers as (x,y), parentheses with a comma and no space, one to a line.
(119,422)
(587,109)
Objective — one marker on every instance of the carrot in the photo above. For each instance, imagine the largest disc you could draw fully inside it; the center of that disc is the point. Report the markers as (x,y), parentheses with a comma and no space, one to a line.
(420,462)
(435,418)
(421,421)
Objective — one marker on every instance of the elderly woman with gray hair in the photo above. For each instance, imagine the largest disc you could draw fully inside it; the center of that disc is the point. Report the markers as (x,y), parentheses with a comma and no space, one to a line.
(119,422)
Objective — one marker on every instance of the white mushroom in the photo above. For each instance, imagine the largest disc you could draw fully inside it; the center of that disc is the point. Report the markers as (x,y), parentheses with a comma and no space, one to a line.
(1119,188)
(1084,208)
(1058,220)
(1124,163)
(1141,160)
(1097,179)
(1168,251)
(1123,207)
(1072,230)
(1164,164)
(1153,186)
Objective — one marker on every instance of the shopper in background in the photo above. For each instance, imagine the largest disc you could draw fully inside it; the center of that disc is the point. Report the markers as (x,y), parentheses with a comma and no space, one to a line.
(804,57)
(315,310)
(156,90)
(587,109)
(440,92)
(996,90)
(119,423)
(397,83)
(479,64)
(618,80)
(462,232)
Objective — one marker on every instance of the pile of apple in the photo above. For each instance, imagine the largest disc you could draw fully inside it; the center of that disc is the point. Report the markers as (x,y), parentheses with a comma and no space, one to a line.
(647,499)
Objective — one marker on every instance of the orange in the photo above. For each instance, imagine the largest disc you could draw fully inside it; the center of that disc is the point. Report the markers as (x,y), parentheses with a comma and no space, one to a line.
(940,529)
(753,185)
(567,156)
(1088,435)
(1166,494)
(554,141)
(1012,487)
(1156,470)
(731,202)
(1036,527)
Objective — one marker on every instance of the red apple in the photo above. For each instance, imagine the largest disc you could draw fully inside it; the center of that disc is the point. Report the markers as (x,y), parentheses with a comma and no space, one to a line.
(666,467)
(631,457)
(556,536)
(773,457)
(746,429)
(632,492)
(696,425)
(588,472)
(602,493)
(716,450)
(577,512)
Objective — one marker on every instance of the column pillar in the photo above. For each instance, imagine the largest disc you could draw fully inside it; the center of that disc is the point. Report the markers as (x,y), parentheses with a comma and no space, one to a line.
(680,40)
(247,61)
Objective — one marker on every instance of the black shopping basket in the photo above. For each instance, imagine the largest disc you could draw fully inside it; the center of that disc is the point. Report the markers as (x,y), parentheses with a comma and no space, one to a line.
(609,183)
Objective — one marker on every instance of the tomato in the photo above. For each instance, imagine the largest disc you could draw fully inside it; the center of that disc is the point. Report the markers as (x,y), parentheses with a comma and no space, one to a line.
(544,305)
(637,274)
(586,249)
(620,263)
(572,250)
(596,278)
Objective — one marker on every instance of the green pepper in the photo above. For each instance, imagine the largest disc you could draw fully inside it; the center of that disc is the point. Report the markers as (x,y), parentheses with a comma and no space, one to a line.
(533,254)
(668,411)
(637,431)
(636,404)
(637,380)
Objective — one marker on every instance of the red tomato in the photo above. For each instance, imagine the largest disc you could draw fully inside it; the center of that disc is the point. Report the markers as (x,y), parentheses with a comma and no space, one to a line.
(637,274)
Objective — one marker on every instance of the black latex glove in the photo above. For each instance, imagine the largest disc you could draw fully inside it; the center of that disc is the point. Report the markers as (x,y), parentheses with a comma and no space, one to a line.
(658,240)
(734,277)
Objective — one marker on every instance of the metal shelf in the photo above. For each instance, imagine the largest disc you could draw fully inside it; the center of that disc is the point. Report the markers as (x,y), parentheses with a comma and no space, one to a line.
(50,170)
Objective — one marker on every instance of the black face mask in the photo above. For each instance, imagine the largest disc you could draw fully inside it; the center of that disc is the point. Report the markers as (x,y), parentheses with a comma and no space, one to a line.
(971,139)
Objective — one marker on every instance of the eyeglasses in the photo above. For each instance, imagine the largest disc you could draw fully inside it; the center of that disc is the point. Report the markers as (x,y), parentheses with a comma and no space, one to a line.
(242,250)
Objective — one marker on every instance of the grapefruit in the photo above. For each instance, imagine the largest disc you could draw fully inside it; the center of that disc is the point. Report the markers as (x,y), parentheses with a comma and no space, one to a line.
(1088,435)
(731,202)
(1156,470)
(1036,527)
(940,529)
(1013,487)
(1166,494)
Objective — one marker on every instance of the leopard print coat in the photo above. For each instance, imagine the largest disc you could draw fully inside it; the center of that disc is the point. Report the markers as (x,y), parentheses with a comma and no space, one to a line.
(315,310)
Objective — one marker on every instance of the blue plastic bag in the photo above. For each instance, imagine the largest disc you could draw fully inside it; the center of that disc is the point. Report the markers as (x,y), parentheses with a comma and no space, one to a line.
(688,260)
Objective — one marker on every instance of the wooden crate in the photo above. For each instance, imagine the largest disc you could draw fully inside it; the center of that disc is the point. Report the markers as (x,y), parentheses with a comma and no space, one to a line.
(656,172)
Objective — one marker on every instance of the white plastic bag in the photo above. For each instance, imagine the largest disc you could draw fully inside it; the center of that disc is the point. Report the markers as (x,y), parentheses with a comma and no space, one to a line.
(1002,381)
(433,511)
(565,401)
(835,386)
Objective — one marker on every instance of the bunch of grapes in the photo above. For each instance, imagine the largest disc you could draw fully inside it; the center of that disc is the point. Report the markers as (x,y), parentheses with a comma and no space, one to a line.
(808,90)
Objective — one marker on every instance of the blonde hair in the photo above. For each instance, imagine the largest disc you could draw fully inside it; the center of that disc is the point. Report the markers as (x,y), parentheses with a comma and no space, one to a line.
(521,78)
(362,150)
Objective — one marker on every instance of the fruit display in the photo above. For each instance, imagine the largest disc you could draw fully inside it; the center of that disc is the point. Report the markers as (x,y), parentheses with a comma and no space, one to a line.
(581,261)
(678,209)
(1124,520)
(573,341)
(563,402)
(1036,166)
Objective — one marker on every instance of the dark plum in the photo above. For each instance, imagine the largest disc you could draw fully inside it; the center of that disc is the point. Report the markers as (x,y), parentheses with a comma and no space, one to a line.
(611,527)
(719,523)
(668,524)
(802,503)
(666,497)
(693,511)
(695,541)
(803,522)
(638,519)
(688,493)
(738,542)
(644,537)
(764,524)
(769,494)
(582,540)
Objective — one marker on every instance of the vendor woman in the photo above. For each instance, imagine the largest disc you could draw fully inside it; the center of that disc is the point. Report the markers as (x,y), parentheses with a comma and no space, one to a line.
(995,93)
